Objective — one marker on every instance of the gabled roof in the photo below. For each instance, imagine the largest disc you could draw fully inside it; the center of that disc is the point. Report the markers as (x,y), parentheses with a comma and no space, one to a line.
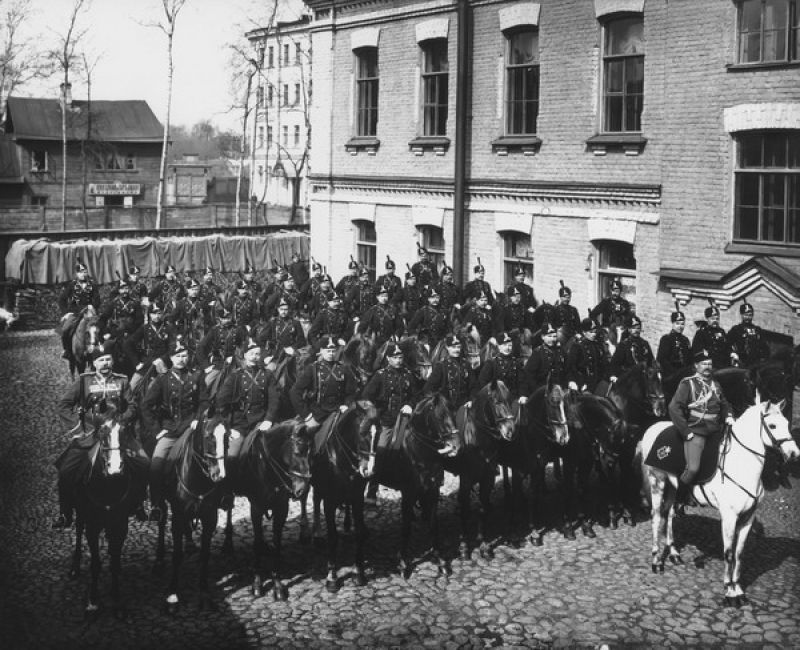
(29,118)
(10,171)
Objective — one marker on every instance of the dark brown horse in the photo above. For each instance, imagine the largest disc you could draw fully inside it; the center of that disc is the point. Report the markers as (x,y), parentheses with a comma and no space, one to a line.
(85,338)
(482,429)
(272,468)
(116,483)
(339,474)
(415,469)
(194,489)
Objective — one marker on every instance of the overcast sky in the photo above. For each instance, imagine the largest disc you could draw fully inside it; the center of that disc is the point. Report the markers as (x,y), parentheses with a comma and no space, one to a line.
(132,58)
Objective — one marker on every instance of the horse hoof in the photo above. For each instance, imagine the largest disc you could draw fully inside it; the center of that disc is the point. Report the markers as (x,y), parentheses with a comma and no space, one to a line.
(569,534)
(464,554)
(588,531)
(744,600)
(629,521)
(535,540)
(654,567)
(613,524)
(257,588)
(661,568)
(487,553)
(728,601)
(700,563)
(280,593)
(676,559)
(332,586)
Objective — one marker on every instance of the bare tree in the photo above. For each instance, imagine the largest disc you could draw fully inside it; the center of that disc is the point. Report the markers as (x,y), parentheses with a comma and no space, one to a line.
(20,57)
(87,142)
(65,57)
(171,10)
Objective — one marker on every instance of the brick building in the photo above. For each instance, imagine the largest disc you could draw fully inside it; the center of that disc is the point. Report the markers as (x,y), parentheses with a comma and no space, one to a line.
(655,140)
(113,153)
(283,97)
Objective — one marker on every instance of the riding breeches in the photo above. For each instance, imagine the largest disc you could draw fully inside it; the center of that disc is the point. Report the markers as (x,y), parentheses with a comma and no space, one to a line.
(163,447)
(693,450)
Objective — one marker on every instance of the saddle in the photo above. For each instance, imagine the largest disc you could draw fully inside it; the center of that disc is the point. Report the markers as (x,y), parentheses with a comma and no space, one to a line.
(325,430)
(667,454)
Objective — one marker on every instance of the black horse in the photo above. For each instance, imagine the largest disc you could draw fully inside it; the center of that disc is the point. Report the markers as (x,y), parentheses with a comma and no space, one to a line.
(544,436)
(361,354)
(638,393)
(116,483)
(482,429)
(611,440)
(272,468)
(194,489)
(339,473)
(413,466)
(285,369)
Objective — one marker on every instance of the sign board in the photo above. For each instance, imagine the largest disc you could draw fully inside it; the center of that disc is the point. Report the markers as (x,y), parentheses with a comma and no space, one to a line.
(115,189)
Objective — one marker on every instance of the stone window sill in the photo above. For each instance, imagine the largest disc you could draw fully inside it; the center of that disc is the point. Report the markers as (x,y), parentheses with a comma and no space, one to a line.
(527,145)
(360,144)
(771,65)
(631,144)
(763,248)
(432,143)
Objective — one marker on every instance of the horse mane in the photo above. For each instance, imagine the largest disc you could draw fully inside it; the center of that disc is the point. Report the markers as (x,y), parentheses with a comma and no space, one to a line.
(738,388)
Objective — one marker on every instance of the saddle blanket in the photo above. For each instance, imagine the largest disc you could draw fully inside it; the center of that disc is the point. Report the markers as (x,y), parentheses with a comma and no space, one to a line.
(667,454)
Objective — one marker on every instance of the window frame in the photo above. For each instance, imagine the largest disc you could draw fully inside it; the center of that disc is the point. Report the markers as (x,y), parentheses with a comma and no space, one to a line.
(366,245)
(130,162)
(434,114)
(791,36)
(432,239)
(790,187)
(271,56)
(285,54)
(508,67)
(604,274)
(367,93)
(297,94)
(296,135)
(285,135)
(285,95)
(40,161)
(607,58)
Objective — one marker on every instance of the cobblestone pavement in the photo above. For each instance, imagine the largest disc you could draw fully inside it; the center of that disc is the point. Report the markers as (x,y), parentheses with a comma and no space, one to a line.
(564,593)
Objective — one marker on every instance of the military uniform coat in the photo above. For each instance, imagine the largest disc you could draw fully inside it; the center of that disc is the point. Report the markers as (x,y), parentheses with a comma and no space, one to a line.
(383,321)
(247,397)
(629,352)
(566,316)
(392,283)
(430,320)
(452,378)
(219,344)
(169,292)
(450,296)
(482,320)
(150,342)
(360,298)
(747,340)
(474,288)
(611,311)
(90,392)
(76,296)
(322,388)
(587,363)
(528,299)
(173,400)
(389,390)
(121,316)
(425,272)
(715,342)
(507,369)
(698,407)
(544,361)
(333,322)
(281,333)
(674,353)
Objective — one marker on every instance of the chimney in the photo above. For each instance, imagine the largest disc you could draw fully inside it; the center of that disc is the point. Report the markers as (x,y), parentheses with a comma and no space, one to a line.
(66,94)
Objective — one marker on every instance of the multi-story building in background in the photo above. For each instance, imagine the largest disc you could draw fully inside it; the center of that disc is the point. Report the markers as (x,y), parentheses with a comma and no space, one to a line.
(654,141)
(281,126)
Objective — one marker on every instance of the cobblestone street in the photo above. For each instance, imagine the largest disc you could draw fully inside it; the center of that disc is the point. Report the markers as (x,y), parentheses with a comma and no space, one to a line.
(586,592)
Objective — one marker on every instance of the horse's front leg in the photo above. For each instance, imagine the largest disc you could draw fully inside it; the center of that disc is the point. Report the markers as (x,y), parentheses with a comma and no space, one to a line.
(227,544)
(116,539)
(485,501)
(305,534)
(316,526)
(93,540)
(259,549)
(406,509)
(208,520)
(158,566)
(430,510)
(332,579)
(357,500)
(537,489)
(464,497)
(585,501)
(735,528)
(75,569)
(177,528)
(279,515)
(670,551)
(660,506)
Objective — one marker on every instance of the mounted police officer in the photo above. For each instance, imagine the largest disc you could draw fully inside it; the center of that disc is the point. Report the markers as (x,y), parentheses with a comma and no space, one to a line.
(91,396)
(633,350)
(139,290)
(480,316)
(564,316)
(674,352)
(149,345)
(242,305)
(168,290)
(210,292)
(514,317)
(505,366)
(527,298)
(393,390)
(349,280)
(282,332)
(389,280)
(190,311)
(361,296)
(249,276)
(311,287)
(478,286)
(381,319)
(218,348)
(712,338)
(612,310)
(450,292)
(698,409)
(587,361)
(287,292)
(318,300)
(423,269)
(453,377)
(330,321)
(121,315)
(748,346)
(76,296)
(430,322)
(411,298)
(173,404)
(247,400)
(546,360)
(324,387)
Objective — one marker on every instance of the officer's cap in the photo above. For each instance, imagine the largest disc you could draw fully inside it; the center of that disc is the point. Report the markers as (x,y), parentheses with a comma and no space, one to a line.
(482,296)
(431,292)
(421,250)
(192,283)
(564,290)
(252,344)
(394,350)
(134,270)
(178,346)
(249,268)
(514,291)
(281,273)
(547,328)
(519,270)
(615,284)
(363,271)
(328,343)
(224,312)
(332,296)
(241,285)
(316,266)
(80,267)
(383,290)
(352,264)
(713,310)
(282,303)
(505,337)
(633,321)
(701,355)
(208,270)
(479,268)
(409,275)
(677,315)
(171,269)
(589,325)
(390,265)
(452,340)
(447,270)
(156,307)
(326,278)
(746,308)
(104,350)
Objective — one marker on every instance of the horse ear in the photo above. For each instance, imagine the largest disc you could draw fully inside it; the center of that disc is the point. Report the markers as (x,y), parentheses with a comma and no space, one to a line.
(758,396)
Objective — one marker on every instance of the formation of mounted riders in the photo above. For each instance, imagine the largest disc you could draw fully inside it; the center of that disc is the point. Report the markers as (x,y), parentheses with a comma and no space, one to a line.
(395,381)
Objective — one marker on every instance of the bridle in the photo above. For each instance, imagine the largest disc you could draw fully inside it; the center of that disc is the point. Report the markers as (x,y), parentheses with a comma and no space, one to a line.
(500,413)
(352,453)
(285,475)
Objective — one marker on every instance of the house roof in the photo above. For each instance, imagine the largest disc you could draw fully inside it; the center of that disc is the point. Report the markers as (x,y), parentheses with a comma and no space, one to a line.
(10,171)
(31,118)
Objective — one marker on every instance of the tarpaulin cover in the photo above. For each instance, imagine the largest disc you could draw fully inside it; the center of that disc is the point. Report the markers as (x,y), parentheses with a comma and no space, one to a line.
(49,262)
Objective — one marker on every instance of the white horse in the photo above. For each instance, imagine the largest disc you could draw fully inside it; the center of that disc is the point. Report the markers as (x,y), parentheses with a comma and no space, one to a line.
(734,490)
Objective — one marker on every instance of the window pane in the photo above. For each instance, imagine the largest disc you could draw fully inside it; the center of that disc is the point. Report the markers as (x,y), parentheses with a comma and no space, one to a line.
(775,150)
(615,76)
(617,255)
(634,75)
(751,16)
(524,48)
(747,223)
(750,151)
(625,36)
(776,13)
(750,47)
(774,209)
(614,113)
(793,235)
(435,56)
(747,189)
(794,151)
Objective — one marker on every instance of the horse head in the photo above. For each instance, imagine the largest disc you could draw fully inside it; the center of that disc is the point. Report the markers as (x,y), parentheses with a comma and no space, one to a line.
(555,406)
(367,427)
(492,408)
(295,456)
(768,420)
(418,357)
(432,418)
(213,443)
(655,391)
(109,432)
